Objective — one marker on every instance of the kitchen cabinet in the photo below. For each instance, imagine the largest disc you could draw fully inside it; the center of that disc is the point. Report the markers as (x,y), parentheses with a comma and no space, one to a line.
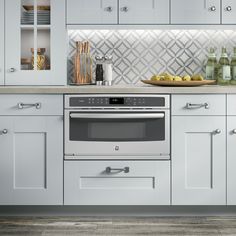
(117,12)
(35,42)
(144,12)
(198,138)
(228,12)
(31,163)
(136,183)
(92,12)
(2,42)
(195,12)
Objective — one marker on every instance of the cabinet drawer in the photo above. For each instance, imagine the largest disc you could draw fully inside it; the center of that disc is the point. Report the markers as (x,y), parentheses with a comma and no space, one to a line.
(198,104)
(89,183)
(31,105)
(231,104)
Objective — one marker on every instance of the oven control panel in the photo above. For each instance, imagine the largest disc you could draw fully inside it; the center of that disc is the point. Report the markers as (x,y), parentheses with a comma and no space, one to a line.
(117,101)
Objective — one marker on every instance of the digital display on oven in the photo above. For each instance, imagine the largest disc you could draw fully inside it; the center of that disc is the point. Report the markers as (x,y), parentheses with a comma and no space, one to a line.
(116,101)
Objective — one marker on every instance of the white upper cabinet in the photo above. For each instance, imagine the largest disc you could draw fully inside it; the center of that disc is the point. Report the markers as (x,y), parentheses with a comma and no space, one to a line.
(2,42)
(195,11)
(92,12)
(144,12)
(228,12)
(35,42)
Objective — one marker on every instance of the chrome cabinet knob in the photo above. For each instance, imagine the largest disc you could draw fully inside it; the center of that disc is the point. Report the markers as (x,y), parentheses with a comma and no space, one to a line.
(217,131)
(12,70)
(234,131)
(109,9)
(228,8)
(125,9)
(5,131)
(213,8)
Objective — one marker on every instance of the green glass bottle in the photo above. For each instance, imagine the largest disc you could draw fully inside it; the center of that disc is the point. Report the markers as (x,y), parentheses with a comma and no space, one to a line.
(233,68)
(224,72)
(211,65)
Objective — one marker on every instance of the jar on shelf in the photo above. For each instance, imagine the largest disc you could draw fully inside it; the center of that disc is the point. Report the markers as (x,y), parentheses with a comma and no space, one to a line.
(41,59)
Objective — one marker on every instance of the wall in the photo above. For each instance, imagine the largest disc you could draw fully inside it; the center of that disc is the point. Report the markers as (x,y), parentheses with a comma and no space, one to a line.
(138,54)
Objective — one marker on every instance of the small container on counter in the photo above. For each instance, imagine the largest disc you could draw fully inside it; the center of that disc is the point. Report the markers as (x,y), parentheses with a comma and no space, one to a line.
(108,70)
(99,70)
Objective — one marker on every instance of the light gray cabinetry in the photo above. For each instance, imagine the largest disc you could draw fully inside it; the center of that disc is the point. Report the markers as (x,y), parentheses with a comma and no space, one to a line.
(24,63)
(31,161)
(228,12)
(198,152)
(143,183)
(117,12)
(144,12)
(231,150)
(195,12)
(1,42)
(92,12)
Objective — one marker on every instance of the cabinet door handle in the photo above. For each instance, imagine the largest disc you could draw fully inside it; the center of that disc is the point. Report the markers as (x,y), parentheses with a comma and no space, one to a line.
(217,131)
(109,170)
(212,8)
(12,70)
(228,8)
(109,9)
(234,131)
(24,105)
(125,9)
(197,106)
(4,131)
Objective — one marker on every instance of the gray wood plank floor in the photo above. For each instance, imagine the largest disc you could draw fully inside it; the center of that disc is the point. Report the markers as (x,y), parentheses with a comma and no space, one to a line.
(73,226)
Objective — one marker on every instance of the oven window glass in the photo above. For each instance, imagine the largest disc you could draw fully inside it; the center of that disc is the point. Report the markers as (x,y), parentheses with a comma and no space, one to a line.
(122,130)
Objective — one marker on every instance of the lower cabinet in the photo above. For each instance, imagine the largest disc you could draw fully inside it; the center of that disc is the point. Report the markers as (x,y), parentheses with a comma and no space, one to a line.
(231,160)
(199,160)
(31,160)
(117,182)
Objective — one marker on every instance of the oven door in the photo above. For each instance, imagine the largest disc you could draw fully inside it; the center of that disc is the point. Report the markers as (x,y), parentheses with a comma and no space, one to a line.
(120,133)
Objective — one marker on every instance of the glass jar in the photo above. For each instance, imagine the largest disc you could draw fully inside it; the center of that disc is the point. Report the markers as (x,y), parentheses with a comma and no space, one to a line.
(41,59)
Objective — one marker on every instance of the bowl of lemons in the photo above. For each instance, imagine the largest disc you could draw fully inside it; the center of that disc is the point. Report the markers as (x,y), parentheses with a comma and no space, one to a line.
(166,79)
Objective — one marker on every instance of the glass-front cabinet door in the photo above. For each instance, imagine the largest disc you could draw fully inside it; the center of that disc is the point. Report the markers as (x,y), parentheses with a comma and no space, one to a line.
(35,42)
(1,42)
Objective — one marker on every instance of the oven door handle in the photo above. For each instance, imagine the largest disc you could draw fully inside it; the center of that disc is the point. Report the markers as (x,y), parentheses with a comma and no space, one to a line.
(118,116)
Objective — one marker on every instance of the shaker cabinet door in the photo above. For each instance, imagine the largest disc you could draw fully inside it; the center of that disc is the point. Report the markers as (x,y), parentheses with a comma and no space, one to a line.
(231,160)
(195,11)
(144,12)
(2,42)
(228,12)
(198,160)
(31,162)
(35,42)
(92,12)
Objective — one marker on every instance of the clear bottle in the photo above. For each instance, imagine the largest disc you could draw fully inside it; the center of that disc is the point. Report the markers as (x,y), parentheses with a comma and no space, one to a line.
(233,67)
(211,65)
(224,72)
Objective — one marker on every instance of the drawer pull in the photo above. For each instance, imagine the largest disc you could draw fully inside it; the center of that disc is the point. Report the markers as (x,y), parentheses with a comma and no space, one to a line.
(197,106)
(234,131)
(24,105)
(109,170)
(217,131)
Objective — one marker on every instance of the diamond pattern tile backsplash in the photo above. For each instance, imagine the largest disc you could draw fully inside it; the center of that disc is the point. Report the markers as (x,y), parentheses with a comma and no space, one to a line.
(138,54)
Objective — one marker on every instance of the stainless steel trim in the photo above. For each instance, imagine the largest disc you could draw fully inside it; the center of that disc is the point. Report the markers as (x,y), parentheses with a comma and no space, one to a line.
(197,106)
(118,116)
(109,170)
(23,105)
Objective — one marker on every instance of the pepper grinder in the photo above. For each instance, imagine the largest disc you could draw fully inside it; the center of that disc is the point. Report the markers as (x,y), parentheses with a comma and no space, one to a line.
(99,70)
(108,70)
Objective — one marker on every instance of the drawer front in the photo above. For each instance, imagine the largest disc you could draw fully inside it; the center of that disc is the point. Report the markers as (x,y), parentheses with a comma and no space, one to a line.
(198,104)
(31,105)
(231,104)
(90,183)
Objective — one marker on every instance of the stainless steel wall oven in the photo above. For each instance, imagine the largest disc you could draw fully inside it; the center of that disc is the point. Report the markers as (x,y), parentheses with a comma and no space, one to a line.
(117,127)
